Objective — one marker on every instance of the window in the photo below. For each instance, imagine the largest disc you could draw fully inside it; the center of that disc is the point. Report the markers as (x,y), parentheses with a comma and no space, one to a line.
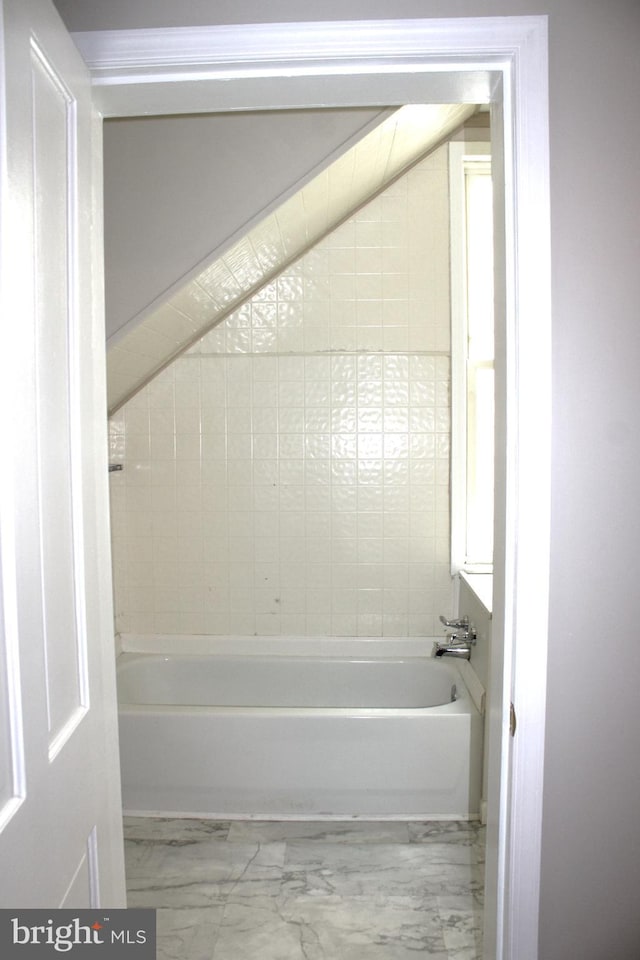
(472,350)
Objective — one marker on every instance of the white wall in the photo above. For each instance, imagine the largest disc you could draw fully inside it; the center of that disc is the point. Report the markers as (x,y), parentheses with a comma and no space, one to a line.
(591,827)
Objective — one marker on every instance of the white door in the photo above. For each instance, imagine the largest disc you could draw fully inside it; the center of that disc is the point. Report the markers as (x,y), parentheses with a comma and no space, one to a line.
(60,824)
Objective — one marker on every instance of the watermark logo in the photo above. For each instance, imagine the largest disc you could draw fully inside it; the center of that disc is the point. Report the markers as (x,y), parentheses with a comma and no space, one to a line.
(78,933)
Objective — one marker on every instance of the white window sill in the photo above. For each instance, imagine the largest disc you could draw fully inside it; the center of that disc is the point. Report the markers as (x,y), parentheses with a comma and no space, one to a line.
(481,585)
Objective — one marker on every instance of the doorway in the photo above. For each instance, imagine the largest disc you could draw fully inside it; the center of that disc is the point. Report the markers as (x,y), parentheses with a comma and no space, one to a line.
(501,62)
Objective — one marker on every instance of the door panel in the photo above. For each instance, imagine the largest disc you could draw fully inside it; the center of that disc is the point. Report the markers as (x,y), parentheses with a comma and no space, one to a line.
(60,818)
(58,442)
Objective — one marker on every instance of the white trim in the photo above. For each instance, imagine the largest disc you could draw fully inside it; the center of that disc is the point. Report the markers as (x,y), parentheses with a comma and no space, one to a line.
(304,47)
(498,60)
(458,353)
(528,480)
(15,789)
(296,64)
(131,97)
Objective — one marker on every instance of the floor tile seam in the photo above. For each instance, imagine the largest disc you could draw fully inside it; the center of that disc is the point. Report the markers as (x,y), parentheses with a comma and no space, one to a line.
(217,934)
(286,877)
(409,901)
(198,823)
(220,888)
(331,846)
(425,898)
(345,841)
(297,862)
(365,844)
(286,881)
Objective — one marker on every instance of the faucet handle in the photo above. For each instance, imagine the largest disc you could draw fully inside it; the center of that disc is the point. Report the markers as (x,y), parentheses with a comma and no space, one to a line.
(462,623)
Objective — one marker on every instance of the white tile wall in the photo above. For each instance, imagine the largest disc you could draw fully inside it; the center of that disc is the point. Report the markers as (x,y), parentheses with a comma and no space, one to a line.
(290,474)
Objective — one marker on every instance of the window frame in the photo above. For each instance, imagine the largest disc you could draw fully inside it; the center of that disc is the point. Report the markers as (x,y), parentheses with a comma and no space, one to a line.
(462,155)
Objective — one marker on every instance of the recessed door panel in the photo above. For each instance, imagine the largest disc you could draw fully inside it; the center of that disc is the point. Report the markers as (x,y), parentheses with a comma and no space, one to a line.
(55,174)
(83,890)
(11,733)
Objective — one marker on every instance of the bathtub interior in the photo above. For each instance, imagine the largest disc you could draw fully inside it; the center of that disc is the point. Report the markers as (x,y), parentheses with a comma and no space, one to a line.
(283,682)
(277,652)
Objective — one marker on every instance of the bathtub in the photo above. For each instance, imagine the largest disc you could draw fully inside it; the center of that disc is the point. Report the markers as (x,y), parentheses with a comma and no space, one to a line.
(286,729)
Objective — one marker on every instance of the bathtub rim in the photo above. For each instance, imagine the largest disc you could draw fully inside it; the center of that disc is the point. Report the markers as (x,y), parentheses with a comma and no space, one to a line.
(324,646)
(460,707)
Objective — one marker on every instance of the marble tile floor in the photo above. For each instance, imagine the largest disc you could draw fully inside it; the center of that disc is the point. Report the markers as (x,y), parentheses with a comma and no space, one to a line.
(263,890)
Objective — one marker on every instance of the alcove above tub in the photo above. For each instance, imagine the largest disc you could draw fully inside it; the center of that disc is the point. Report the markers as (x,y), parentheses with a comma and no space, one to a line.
(193,306)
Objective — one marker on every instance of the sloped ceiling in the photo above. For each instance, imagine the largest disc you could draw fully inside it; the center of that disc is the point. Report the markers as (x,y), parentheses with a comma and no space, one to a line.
(180,190)
(281,237)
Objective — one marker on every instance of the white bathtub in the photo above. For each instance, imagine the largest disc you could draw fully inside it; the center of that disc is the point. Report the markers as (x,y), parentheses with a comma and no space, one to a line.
(261,728)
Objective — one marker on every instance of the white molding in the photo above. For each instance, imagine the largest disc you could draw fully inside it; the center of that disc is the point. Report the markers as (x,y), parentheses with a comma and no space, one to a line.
(457,246)
(237,49)
(498,60)
(529,478)
(168,92)
(295,65)
(460,152)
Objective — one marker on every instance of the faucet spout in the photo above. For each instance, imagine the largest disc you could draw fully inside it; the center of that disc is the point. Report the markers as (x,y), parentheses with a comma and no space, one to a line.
(461,653)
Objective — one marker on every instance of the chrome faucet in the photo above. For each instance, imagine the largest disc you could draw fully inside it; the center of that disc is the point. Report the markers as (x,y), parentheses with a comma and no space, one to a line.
(459,642)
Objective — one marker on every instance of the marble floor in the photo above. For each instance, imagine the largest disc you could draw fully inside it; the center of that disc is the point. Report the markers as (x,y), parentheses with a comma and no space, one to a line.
(258,890)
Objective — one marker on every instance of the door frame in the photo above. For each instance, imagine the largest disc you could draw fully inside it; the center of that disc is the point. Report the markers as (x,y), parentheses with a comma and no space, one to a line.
(503,62)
